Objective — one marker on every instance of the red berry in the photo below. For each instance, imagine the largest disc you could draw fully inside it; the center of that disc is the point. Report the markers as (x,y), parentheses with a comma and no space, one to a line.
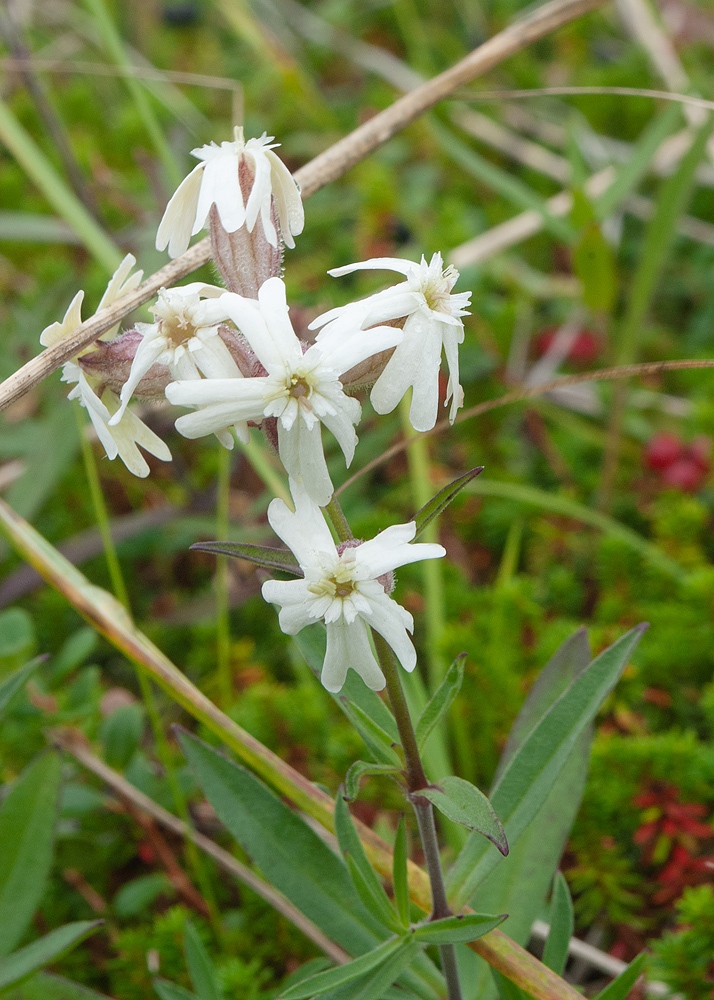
(663,449)
(585,348)
(684,475)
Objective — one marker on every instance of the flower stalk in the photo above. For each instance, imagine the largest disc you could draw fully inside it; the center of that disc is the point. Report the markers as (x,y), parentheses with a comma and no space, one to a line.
(417,780)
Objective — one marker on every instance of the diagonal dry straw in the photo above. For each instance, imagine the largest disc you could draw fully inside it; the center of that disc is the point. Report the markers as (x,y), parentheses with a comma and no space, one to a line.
(110,618)
(326,167)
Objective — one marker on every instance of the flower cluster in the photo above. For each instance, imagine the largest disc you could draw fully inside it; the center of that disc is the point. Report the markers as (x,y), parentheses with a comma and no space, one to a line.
(232,357)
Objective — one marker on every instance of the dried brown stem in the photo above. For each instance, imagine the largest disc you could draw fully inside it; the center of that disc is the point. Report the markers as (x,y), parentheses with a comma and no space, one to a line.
(326,167)
(516,395)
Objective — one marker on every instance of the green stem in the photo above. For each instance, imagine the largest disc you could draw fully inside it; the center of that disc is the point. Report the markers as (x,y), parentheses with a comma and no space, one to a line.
(119,587)
(257,454)
(223,627)
(339,521)
(423,809)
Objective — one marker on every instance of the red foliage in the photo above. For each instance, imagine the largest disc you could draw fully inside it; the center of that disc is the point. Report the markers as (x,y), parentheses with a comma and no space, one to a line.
(670,838)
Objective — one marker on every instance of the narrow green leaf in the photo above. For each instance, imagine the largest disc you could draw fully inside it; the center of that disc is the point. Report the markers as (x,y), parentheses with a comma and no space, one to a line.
(555,954)
(44,986)
(507,990)
(502,181)
(671,203)
(170,991)
(34,956)
(366,880)
(377,739)
(261,555)
(568,661)
(463,803)
(400,877)
(441,701)
(438,503)
(200,967)
(27,820)
(372,900)
(287,851)
(376,985)
(619,988)
(12,684)
(325,981)
(360,769)
(526,781)
(457,930)
(639,163)
(594,264)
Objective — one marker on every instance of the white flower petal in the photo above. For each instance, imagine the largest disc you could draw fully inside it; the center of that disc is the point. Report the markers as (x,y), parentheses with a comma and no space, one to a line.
(392,621)
(295,600)
(305,531)
(179,216)
(302,455)
(348,646)
(376,264)
(220,187)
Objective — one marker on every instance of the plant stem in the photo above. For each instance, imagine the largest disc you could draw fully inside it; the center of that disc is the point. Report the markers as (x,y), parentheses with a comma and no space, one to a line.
(152,710)
(423,809)
(223,628)
(339,521)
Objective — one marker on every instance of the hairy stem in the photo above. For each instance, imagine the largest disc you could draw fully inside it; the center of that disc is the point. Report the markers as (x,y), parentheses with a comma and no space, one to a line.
(423,809)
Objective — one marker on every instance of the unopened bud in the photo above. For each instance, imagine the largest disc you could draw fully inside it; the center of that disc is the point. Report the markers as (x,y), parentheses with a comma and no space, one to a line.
(110,363)
(245,259)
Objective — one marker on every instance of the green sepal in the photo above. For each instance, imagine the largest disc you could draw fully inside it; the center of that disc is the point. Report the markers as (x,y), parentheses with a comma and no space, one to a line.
(464,803)
(400,875)
(440,701)
(359,770)
(438,503)
(365,879)
(333,978)
(555,953)
(34,956)
(457,930)
(619,988)
(261,555)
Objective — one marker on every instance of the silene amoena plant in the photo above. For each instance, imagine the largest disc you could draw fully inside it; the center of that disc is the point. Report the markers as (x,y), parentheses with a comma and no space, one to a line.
(232,359)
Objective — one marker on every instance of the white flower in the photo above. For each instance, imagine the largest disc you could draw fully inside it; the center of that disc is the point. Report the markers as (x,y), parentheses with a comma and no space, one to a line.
(433,319)
(120,439)
(344,590)
(216,181)
(123,438)
(184,338)
(120,283)
(301,389)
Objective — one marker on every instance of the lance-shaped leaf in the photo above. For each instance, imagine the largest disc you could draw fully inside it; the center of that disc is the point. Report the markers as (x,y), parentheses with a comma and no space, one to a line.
(375,986)
(555,954)
(12,684)
(34,956)
(365,879)
(400,875)
(45,986)
(171,991)
(27,820)
(261,555)
(441,701)
(457,930)
(532,771)
(333,978)
(438,504)
(619,988)
(463,803)
(379,741)
(360,769)
(200,967)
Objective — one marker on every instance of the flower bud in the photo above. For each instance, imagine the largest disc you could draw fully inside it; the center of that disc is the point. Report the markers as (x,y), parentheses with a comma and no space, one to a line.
(110,363)
(245,259)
